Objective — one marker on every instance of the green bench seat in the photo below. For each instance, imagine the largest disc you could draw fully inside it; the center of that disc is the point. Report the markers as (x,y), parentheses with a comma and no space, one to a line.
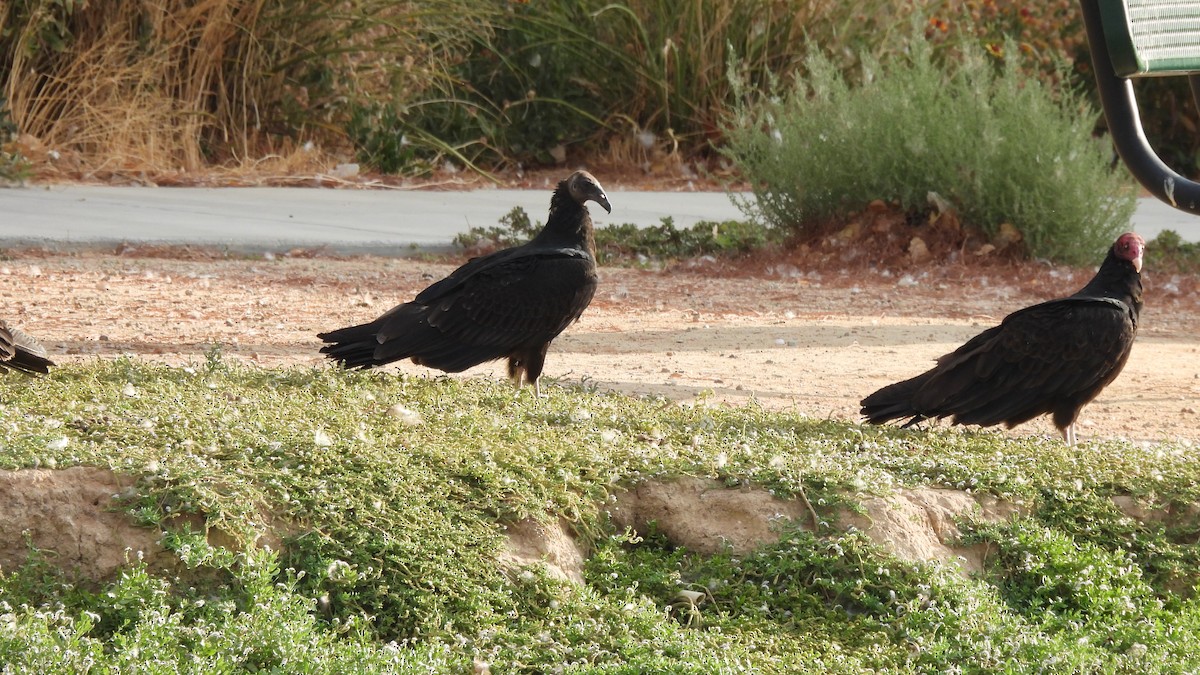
(1152,37)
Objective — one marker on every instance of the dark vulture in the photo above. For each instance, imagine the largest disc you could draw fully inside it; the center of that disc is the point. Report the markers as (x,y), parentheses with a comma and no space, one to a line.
(509,304)
(20,352)
(1051,358)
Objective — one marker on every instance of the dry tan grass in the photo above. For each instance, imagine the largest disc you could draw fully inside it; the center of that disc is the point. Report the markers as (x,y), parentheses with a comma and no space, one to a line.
(164,87)
(121,101)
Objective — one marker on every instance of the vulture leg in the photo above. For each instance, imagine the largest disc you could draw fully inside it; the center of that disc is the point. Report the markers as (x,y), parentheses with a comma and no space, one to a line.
(1068,434)
(529,364)
(532,361)
(516,368)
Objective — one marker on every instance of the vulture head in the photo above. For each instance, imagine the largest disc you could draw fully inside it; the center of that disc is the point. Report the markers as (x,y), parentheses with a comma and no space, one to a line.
(584,186)
(1130,246)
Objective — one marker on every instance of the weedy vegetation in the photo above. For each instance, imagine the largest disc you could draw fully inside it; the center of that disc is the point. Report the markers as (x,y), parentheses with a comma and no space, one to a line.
(632,245)
(13,167)
(391,494)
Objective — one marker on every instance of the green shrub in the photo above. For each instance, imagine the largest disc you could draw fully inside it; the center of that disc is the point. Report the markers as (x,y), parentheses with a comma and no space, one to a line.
(998,147)
(1168,252)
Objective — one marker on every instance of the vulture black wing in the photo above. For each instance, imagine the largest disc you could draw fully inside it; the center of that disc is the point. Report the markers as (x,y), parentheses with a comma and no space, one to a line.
(1052,356)
(517,302)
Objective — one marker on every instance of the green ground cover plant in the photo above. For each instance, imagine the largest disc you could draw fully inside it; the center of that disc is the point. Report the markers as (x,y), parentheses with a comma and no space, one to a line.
(393,492)
(993,145)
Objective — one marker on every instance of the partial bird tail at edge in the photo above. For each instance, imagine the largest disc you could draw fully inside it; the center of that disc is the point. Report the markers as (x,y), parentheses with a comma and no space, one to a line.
(29,363)
(894,402)
(353,346)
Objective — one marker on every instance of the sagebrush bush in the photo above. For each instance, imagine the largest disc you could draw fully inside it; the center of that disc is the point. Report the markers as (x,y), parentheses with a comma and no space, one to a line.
(996,146)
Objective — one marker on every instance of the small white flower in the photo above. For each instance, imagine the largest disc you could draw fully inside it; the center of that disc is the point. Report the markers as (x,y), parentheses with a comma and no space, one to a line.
(406,416)
(338,570)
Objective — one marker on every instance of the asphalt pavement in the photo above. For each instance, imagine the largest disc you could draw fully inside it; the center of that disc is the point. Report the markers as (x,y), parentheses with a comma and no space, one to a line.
(383,222)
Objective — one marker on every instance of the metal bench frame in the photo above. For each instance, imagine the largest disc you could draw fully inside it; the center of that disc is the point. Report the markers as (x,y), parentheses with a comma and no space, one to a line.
(1117,55)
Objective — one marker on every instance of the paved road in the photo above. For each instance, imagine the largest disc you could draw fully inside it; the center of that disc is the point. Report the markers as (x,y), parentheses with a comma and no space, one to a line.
(387,222)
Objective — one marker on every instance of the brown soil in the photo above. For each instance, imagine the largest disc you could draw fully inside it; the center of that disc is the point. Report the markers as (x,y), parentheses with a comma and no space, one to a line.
(786,331)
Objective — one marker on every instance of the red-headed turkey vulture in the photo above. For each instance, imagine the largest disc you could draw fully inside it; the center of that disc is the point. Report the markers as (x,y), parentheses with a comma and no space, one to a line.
(509,304)
(1053,357)
(20,352)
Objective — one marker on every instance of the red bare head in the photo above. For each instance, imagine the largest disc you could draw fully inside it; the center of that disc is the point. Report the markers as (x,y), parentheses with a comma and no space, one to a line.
(1129,246)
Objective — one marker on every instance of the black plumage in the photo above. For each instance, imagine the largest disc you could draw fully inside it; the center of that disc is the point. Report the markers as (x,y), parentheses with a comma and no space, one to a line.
(20,352)
(509,304)
(1051,358)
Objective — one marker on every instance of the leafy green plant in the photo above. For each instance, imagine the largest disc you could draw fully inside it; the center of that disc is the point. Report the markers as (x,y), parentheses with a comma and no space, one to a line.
(994,146)
(259,622)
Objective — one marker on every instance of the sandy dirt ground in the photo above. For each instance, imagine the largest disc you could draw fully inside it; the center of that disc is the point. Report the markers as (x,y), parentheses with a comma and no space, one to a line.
(779,333)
